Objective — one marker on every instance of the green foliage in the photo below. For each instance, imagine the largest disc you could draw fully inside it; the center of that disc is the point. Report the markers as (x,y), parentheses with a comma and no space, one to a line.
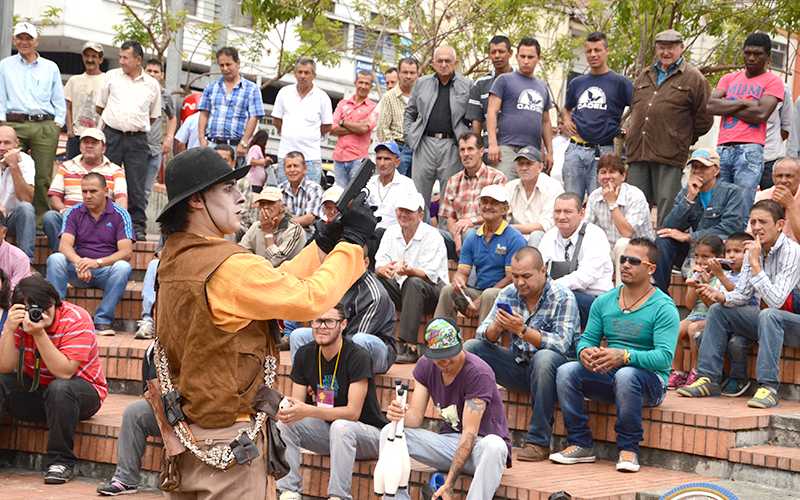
(50,16)
(154,27)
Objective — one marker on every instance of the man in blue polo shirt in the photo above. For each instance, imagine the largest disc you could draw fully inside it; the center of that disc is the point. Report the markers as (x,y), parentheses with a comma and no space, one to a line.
(96,245)
(489,250)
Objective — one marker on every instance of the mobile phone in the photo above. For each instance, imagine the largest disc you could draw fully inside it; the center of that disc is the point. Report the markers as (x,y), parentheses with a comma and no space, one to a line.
(505,307)
(726,264)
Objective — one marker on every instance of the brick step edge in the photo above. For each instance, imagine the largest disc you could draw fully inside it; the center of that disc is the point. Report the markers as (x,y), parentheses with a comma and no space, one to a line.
(768,456)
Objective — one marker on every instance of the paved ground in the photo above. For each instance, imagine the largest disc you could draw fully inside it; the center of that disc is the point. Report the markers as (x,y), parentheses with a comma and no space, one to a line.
(25,485)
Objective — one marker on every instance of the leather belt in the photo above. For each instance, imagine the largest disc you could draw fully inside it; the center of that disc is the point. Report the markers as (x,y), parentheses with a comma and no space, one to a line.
(220,140)
(588,144)
(24,117)
(122,132)
(439,135)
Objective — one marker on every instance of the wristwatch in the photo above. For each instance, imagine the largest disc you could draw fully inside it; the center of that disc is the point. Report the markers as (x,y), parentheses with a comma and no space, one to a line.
(613,207)
(99,262)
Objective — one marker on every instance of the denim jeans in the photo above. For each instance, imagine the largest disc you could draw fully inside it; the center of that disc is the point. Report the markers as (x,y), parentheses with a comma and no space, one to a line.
(580,168)
(406,155)
(51,224)
(670,253)
(22,224)
(153,164)
(138,422)
(344,440)
(343,171)
(535,376)
(741,164)
(377,350)
(738,350)
(112,279)
(313,172)
(771,328)
(149,289)
(486,462)
(629,388)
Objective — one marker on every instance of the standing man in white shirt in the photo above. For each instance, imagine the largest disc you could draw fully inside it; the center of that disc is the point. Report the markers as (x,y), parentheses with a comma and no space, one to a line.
(532,196)
(80,93)
(388,186)
(577,253)
(412,265)
(17,172)
(303,115)
(128,103)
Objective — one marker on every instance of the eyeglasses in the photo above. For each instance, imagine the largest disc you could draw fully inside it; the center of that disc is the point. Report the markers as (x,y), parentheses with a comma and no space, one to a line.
(325,323)
(634,261)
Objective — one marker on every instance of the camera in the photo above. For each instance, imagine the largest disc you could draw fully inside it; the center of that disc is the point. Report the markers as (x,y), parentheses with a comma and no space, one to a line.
(35,313)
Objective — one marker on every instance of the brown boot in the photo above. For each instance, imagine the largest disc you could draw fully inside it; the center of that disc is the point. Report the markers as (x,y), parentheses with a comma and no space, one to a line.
(533,453)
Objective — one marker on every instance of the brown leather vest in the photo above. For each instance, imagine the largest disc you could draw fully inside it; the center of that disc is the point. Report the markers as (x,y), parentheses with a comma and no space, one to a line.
(216,372)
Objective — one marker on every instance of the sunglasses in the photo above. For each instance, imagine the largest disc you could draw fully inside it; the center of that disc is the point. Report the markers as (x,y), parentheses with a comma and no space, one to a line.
(634,261)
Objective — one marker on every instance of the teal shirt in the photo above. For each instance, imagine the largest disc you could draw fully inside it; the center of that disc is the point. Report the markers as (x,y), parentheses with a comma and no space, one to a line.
(648,333)
(662,75)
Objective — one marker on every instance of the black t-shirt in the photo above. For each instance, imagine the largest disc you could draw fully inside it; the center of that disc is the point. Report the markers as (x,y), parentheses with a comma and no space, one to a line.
(354,365)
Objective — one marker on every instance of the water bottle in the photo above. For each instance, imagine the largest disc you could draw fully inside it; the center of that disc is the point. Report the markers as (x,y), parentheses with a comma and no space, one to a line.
(437,481)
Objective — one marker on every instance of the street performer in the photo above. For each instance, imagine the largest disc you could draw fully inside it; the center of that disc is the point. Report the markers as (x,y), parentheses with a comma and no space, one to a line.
(215,316)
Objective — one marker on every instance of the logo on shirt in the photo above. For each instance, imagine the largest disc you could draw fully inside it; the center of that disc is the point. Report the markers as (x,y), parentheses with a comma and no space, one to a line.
(530,100)
(593,98)
(109,224)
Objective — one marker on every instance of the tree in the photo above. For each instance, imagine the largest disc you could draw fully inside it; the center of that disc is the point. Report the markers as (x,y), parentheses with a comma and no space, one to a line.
(154,27)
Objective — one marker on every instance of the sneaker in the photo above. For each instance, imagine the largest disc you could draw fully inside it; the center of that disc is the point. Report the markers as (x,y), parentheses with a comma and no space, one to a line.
(733,388)
(407,355)
(692,377)
(290,495)
(145,328)
(58,474)
(103,330)
(531,452)
(573,454)
(114,488)
(764,398)
(700,388)
(628,462)
(676,379)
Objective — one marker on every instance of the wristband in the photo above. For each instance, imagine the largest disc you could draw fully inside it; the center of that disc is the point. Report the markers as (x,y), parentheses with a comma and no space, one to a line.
(626,357)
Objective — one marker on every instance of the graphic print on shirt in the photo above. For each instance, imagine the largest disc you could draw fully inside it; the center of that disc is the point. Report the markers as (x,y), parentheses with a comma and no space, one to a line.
(593,98)
(735,91)
(530,100)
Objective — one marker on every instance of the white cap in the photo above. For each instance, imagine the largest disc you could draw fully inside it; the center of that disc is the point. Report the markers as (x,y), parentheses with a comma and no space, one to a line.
(411,202)
(333,194)
(26,28)
(495,192)
(94,133)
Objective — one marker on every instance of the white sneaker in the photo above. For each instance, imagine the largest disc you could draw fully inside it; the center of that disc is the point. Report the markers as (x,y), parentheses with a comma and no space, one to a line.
(105,333)
(145,329)
(290,495)
(628,463)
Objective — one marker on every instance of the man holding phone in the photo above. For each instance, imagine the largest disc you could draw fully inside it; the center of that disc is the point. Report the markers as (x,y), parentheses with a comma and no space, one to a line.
(542,317)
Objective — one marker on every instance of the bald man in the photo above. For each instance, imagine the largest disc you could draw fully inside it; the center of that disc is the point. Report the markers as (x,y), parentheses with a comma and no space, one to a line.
(786,191)
(433,122)
(17,174)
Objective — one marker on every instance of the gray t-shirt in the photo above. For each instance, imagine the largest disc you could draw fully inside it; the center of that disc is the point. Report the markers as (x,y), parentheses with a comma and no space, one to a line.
(524,101)
(156,135)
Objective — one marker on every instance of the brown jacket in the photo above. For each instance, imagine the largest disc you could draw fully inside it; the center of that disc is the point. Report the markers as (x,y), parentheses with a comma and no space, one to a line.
(216,372)
(667,119)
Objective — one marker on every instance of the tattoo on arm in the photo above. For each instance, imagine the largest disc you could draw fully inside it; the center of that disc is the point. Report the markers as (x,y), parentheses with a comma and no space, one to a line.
(475,407)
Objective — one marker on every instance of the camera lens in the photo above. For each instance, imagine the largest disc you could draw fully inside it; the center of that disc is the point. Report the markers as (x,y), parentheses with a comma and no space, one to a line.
(35,313)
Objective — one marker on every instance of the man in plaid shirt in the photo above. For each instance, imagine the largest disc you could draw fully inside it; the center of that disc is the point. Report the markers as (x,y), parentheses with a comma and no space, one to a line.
(302,197)
(543,321)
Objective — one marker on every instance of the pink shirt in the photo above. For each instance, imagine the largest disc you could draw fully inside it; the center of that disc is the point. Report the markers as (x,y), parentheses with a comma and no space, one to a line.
(353,146)
(14,262)
(766,194)
(738,86)
(256,175)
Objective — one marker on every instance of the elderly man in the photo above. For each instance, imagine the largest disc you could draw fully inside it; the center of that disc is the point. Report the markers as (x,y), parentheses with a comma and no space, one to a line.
(273,236)
(353,122)
(388,187)
(786,180)
(32,103)
(745,100)
(65,189)
(578,253)
(434,118)
(532,196)
(302,114)
(489,250)
(80,93)
(779,129)
(667,116)
(499,53)
(301,195)
(542,319)
(129,103)
(639,324)
(17,174)
(411,262)
(392,109)
(329,210)
(706,206)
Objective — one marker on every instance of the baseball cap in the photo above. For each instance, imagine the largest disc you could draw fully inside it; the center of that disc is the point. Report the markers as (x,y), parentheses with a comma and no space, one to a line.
(495,192)
(531,153)
(333,194)
(412,202)
(706,156)
(391,146)
(26,28)
(94,133)
(669,36)
(92,45)
(268,193)
(442,339)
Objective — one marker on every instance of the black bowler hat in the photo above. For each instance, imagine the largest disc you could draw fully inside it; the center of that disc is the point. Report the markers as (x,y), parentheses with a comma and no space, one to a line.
(193,171)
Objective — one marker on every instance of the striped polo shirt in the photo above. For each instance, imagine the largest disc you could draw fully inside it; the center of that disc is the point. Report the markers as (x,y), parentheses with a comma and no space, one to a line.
(66,183)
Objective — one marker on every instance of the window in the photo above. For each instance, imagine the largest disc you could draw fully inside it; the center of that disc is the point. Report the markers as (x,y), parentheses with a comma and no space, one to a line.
(190,6)
(778,56)
(366,44)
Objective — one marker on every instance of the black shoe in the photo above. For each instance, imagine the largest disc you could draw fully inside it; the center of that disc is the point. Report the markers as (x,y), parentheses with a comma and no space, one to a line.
(407,355)
(58,474)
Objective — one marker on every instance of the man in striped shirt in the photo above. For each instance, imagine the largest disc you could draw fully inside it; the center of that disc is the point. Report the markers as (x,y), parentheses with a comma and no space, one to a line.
(60,379)
(771,273)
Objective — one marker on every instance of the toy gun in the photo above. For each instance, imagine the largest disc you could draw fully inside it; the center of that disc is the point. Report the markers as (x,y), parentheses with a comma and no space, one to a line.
(354,194)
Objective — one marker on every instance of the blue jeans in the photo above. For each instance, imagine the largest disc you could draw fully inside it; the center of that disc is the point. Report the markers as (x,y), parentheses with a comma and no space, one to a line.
(406,155)
(138,422)
(742,164)
(585,301)
(149,289)
(738,350)
(580,168)
(536,377)
(670,252)
(771,328)
(313,172)
(343,171)
(22,224)
(375,347)
(629,388)
(112,279)
(51,224)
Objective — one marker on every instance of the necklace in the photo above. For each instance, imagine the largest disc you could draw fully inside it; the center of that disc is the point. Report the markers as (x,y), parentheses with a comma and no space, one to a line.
(627,309)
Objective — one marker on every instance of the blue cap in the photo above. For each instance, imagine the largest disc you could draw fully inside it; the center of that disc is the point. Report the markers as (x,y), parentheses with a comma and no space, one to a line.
(391,146)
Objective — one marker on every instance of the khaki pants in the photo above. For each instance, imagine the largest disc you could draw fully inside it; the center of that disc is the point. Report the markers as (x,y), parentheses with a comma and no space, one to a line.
(451,301)
(202,482)
(42,139)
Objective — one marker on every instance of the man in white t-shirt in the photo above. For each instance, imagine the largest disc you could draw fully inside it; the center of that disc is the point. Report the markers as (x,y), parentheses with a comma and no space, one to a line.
(80,92)
(388,186)
(17,172)
(303,115)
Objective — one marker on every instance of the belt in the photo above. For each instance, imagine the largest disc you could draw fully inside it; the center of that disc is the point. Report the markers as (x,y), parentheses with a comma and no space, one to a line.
(220,140)
(122,132)
(440,135)
(588,144)
(24,117)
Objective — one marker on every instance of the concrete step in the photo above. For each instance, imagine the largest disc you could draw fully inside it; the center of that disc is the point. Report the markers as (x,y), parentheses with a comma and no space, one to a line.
(27,485)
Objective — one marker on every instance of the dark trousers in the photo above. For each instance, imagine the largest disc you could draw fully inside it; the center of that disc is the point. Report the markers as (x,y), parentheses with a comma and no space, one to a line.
(585,301)
(670,253)
(131,151)
(62,404)
(766,175)
(415,298)
(73,147)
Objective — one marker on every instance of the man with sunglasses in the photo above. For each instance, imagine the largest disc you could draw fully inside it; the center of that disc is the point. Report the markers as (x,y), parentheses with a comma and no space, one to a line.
(640,324)
(334,409)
